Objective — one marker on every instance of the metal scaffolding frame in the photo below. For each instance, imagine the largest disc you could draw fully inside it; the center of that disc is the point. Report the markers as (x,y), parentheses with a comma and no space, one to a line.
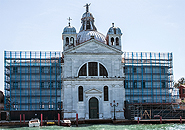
(148,77)
(32,80)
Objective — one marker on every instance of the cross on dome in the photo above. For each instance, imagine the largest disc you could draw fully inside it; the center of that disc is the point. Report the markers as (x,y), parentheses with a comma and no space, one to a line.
(87,7)
(69,19)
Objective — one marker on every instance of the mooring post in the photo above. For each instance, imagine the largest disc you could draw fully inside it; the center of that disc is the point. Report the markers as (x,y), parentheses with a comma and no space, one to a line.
(160,119)
(24,118)
(41,119)
(76,119)
(181,119)
(138,120)
(20,119)
(58,119)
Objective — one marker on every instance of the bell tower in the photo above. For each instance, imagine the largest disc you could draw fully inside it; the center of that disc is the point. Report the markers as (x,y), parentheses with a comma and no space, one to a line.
(113,37)
(69,36)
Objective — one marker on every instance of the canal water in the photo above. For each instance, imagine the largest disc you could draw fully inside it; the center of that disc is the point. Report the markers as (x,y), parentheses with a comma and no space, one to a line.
(106,127)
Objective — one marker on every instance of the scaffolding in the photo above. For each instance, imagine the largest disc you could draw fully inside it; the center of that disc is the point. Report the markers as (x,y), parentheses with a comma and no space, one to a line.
(32,80)
(148,80)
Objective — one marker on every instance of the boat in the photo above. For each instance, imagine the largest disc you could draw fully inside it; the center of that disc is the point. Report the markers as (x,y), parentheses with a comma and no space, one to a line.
(66,123)
(34,123)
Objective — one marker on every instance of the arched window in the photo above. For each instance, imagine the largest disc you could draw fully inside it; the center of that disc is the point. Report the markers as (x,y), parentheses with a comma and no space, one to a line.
(80,93)
(83,70)
(103,71)
(88,25)
(117,41)
(94,69)
(72,40)
(106,97)
(67,40)
(112,41)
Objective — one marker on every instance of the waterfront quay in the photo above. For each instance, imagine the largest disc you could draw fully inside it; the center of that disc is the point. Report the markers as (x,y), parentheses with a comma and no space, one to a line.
(98,121)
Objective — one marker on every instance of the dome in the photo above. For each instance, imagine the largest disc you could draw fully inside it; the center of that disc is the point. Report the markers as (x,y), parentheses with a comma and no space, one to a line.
(87,35)
(87,15)
(114,30)
(69,30)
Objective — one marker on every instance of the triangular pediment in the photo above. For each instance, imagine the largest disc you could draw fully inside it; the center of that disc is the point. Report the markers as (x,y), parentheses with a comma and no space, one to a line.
(93,91)
(93,46)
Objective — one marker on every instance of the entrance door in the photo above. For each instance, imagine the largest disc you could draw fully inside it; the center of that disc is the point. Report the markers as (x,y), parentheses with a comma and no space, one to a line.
(93,108)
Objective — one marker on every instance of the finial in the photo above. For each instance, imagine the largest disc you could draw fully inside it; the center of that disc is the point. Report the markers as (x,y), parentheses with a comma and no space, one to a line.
(69,19)
(112,24)
(87,7)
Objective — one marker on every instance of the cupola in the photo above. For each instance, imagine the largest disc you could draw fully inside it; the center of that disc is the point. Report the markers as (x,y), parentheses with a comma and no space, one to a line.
(69,36)
(113,37)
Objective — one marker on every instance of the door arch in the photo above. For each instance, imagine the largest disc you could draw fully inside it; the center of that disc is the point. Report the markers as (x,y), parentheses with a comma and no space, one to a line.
(93,108)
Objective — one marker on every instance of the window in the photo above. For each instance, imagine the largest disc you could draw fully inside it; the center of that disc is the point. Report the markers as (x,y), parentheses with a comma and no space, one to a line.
(15,84)
(134,70)
(41,105)
(67,40)
(163,85)
(143,84)
(58,84)
(143,69)
(59,105)
(103,71)
(126,84)
(88,25)
(93,67)
(80,93)
(51,104)
(15,69)
(72,41)
(41,84)
(42,69)
(163,70)
(134,84)
(124,70)
(183,91)
(117,41)
(83,70)
(50,84)
(106,93)
(112,41)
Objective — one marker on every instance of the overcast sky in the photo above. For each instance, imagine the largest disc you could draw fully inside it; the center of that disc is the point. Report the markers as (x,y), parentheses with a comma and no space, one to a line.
(147,25)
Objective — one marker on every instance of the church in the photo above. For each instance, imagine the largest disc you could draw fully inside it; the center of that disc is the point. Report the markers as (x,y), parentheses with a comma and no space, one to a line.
(92,71)
(92,77)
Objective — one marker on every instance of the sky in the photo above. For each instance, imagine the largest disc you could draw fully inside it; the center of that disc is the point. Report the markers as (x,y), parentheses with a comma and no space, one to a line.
(147,25)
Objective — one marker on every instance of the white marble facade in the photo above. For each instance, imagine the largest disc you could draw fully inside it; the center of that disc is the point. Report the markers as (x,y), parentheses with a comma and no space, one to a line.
(74,58)
(81,49)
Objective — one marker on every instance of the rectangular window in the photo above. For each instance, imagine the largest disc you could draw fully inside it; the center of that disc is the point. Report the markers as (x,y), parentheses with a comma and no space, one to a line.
(135,101)
(50,84)
(183,91)
(59,105)
(42,84)
(42,69)
(134,70)
(163,85)
(134,84)
(51,105)
(126,84)
(93,68)
(143,70)
(58,84)
(15,84)
(162,70)
(15,70)
(124,70)
(41,105)
(143,84)
(106,93)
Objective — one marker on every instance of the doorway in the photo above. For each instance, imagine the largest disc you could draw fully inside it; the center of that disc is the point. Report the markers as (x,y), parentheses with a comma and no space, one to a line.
(93,108)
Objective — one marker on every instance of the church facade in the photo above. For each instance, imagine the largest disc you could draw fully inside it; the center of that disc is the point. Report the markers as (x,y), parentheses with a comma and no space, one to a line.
(92,71)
